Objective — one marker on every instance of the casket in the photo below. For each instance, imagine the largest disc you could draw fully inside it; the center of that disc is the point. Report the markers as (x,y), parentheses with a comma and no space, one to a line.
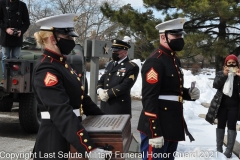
(114,130)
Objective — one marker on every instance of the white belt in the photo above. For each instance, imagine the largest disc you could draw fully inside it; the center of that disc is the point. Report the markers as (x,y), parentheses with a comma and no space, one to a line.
(46,115)
(171,98)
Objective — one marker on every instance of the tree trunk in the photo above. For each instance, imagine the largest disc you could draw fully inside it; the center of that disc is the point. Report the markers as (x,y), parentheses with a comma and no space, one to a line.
(219,61)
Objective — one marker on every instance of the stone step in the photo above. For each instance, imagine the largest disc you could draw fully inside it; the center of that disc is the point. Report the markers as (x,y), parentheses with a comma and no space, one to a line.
(206,105)
(236,148)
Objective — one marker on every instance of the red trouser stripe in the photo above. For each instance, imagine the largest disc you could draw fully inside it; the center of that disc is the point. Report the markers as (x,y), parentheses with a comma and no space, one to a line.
(150,152)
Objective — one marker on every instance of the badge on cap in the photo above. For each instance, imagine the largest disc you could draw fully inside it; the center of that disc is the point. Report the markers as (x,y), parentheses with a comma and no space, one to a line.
(50,79)
(152,76)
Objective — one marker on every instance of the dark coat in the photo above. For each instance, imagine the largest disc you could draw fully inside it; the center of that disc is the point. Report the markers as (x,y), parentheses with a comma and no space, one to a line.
(162,75)
(19,21)
(59,90)
(218,83)
(119,81)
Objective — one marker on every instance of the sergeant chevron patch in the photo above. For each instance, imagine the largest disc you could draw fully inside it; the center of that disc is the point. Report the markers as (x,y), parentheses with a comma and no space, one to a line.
(50,79)
(152,76)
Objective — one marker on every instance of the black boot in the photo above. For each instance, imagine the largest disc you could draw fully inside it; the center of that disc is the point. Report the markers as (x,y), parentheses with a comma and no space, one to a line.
(230,143)
(220,137)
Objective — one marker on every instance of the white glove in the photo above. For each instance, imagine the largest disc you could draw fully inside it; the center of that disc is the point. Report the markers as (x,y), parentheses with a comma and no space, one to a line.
(195,94)
(156,142)
(103,94)
(99,154)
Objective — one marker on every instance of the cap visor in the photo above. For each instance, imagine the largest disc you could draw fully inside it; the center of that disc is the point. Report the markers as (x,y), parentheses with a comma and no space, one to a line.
(73,34)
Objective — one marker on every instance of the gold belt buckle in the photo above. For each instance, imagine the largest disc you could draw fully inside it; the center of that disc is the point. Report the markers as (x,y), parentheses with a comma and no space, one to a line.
(180,99)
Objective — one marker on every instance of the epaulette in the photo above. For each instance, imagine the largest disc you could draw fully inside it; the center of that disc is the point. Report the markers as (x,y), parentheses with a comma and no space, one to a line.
(132,63)
(156,54)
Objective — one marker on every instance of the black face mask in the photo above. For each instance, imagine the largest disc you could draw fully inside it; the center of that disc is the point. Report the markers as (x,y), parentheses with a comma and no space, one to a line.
(231,65)
(115,56)
(176,44)
(65,45)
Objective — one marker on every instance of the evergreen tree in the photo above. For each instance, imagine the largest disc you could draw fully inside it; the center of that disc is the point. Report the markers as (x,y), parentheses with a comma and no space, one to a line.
(212,25)
(134,24)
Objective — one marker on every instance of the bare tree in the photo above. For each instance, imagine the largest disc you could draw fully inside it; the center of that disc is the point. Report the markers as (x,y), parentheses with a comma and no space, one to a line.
(90,19)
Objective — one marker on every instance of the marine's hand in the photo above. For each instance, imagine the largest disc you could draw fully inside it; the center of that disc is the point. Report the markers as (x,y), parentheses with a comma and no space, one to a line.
(103,94)
(195,94)
(156,142)
(99,154)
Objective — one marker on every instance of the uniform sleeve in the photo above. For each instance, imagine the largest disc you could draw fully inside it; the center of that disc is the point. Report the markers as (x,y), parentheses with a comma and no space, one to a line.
(128,82)
(219,80)
(90,108)
(48,85)
(100,83)
(186,95)
(152,72)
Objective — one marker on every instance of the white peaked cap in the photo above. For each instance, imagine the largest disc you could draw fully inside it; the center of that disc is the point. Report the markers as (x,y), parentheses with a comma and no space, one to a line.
(63,23)
(174,26)
(58,21)
(126,39)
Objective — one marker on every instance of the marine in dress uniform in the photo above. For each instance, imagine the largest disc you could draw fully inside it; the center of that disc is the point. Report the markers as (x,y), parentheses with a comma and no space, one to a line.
(161,123)
(117,81)
(60,94)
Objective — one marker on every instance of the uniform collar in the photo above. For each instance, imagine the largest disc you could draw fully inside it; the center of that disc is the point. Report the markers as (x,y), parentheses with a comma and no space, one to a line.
(58,57)
(167,51)
(122,60)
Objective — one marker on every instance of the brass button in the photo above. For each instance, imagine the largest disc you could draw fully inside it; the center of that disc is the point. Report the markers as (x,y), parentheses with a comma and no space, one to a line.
(81,134)
(180,86)
(85,140)
(152,121)
(61,58)
(108,79)
(174,59)
(122,64)
(82,97)
(66,65)
(175,65)
(172,75)
(49,56)
(109,74)
(89,147)
(180,79)
(172,53)
(165,108)
(154,127)
(106,84)
(181,93)
(78,78)
(122,100)
(72,72)
(82,88)
(155,134)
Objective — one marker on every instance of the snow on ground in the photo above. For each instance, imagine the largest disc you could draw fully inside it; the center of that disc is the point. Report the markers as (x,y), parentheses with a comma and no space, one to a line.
(204,146)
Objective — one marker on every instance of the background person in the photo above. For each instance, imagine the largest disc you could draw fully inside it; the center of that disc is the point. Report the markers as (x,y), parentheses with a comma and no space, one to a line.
(59,92)
(14,22)
(115,84)
(161,123)
(225,106)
